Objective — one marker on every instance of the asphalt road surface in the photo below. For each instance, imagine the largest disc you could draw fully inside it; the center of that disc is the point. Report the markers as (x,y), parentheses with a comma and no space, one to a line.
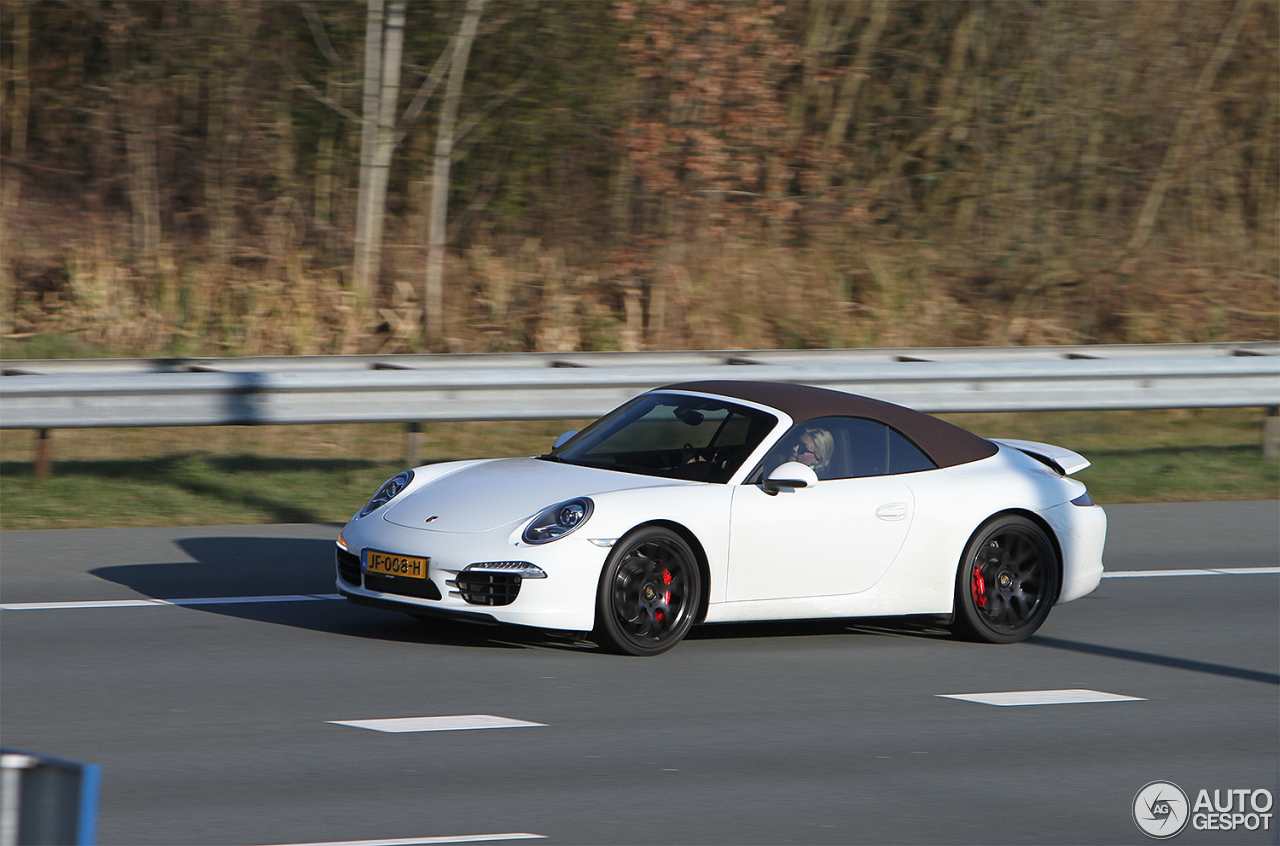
(219,723)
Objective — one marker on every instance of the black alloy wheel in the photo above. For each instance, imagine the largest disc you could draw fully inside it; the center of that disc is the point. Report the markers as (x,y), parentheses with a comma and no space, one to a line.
(649,593)
(1007,582)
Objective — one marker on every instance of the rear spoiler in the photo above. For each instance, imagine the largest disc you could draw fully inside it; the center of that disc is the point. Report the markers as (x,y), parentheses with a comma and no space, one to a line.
(1064,461)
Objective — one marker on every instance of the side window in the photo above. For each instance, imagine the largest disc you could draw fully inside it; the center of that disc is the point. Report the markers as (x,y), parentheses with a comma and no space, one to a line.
(852,448)
(906,457)
(866,447)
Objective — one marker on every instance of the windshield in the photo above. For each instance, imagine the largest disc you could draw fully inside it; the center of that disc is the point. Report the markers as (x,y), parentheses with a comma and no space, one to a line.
(673,436)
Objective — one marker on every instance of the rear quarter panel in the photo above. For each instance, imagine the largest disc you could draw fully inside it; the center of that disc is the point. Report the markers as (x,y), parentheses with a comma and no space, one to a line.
(951,504)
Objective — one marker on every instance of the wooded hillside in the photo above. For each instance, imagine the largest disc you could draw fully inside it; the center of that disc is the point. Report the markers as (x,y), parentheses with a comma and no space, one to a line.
(184,177)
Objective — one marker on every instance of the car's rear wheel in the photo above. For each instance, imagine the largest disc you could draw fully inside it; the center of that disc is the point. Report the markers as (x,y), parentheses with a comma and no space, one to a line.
(1007,582)
(649,593)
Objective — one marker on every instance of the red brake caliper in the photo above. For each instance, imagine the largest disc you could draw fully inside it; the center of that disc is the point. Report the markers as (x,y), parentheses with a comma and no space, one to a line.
(979,588)
(666,597)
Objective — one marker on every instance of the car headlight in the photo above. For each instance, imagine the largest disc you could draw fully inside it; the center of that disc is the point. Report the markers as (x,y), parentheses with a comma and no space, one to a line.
(558,520)
(390,488)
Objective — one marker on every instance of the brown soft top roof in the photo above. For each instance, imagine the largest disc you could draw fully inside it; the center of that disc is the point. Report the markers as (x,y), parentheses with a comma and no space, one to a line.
(946,444)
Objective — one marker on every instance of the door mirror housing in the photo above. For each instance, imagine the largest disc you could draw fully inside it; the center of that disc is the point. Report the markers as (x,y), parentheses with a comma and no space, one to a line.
(789,476)
(564,438)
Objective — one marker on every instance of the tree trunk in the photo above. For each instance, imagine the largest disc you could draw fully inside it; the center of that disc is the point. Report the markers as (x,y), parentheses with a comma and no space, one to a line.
(433,293)
(16,119)
(847,97)
(365,249)
(325,165)
(373,196)
(17,115)
(219,185)
(1177,142)
(228,81)
(144,181)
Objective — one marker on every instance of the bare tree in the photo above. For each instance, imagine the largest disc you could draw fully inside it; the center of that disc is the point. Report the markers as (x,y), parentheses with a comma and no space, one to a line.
(384,141)
(17,114)
(368,249)
(433,291)
(1177,142)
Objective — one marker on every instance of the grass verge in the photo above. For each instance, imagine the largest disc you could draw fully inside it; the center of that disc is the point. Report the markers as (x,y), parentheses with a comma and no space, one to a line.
(306,474)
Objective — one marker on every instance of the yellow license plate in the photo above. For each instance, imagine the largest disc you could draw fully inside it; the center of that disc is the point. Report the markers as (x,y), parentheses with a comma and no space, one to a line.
(390,564)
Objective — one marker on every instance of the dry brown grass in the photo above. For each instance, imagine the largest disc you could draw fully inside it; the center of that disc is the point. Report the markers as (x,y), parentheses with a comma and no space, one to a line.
(714,294)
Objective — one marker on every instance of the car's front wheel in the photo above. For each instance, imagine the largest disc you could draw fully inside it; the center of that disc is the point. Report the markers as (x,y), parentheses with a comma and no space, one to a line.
(1006,583)
(649,593)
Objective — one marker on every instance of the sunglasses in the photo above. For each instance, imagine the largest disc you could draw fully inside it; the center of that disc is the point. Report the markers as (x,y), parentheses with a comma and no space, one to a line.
(803,449)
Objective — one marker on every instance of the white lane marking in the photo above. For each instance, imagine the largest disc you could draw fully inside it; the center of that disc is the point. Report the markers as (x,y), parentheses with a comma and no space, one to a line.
(138,603)
(309,597)
(1041,697)
(423,841)
(97,603)
(460,722)
(1219,571)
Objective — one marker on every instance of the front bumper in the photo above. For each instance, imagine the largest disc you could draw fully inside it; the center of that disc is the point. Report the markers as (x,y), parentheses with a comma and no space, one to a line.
(419,611)
(564,600)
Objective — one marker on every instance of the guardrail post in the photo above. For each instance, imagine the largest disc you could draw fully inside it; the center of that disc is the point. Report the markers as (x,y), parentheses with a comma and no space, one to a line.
(412,444)
(1271,434)
(42,454)
(46,800)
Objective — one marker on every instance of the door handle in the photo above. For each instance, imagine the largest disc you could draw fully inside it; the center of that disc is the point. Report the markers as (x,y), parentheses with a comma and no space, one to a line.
(892,511)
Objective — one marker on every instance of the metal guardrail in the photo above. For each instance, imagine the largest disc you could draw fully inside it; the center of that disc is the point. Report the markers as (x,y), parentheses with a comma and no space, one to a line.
(309,363)
(352,389)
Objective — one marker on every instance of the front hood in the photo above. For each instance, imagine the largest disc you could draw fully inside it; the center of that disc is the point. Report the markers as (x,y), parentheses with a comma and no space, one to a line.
(494,493)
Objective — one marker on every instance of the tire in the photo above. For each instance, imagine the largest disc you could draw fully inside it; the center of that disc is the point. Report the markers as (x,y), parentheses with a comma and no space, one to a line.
(1007,582)
(649,593)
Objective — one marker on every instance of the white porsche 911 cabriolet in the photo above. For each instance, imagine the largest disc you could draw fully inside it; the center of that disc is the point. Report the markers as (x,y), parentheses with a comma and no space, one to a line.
(709,502)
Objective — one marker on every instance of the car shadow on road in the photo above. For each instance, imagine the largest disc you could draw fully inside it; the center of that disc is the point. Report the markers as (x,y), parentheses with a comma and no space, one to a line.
(1156,659)
(926,627)
(239,568)
(235,568)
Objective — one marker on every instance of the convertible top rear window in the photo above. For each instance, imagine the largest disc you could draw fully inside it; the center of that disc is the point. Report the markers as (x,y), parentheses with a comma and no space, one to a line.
(672,436)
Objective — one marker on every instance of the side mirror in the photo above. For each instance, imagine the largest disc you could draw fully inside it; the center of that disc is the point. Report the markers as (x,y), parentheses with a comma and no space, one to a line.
(789,476)
(564,438)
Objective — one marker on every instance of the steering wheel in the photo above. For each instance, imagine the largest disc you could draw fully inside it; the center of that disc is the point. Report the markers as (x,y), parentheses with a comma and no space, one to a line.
(689,455)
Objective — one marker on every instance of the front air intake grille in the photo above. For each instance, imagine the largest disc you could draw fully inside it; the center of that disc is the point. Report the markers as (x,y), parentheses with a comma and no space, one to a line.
(421,588)
(481,588)
(348,567)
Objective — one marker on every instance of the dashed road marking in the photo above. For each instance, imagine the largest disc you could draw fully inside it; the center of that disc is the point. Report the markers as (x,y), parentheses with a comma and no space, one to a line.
(1041,697)
(1218,571)
(425,841)
(460,722)
(141,603)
